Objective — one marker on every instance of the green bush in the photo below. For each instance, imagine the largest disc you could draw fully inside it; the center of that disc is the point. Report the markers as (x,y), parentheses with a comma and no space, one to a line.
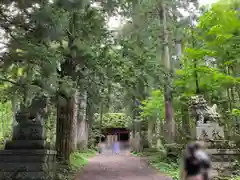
(170,169)
(79,159)
(173,151)
(6,120)
(113,120)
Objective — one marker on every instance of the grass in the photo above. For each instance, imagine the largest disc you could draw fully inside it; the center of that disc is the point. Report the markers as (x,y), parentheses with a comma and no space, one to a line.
(235,178)
(80,159)
(170,170)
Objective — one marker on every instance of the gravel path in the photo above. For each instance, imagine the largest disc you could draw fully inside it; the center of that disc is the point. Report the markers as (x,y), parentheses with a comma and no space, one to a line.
(107,166)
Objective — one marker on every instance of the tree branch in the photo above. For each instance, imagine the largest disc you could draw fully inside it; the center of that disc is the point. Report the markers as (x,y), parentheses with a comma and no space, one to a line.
(5,18)
(7,80)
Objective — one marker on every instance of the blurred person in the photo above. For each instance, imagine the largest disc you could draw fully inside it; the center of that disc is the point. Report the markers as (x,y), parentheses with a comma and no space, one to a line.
(204,160)
(115,146)
(196,163)
(99,147)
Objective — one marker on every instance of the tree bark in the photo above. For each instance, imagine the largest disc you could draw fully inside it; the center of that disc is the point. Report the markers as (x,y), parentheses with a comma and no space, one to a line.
(167,87)
(150,132)
(185,120)
(74,120)
(178,53)
(64,131)
(82,122)
(198,91)
(158,133)
(15,108)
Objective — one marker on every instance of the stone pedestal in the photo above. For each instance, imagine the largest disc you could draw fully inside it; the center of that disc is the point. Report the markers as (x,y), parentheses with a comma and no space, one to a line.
(26,156)
(211,136)
(222,159)
(27,164)
(29,135)
(209,130)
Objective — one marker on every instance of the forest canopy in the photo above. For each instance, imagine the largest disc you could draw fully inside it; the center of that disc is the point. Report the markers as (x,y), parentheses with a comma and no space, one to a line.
(140,75)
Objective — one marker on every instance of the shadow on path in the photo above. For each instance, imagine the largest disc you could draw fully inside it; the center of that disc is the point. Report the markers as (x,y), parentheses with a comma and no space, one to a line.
(123,166)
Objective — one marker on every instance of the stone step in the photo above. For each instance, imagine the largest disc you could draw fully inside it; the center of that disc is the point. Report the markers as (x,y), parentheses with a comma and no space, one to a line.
(222,158)
(222,151)
(27,156)
(27,144)
(25,167)
(221,165)
(27,164)
(25,176)
(214,173)
(209,143)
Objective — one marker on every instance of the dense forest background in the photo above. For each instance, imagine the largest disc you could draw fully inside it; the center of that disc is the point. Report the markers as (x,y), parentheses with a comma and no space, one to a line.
(93,76)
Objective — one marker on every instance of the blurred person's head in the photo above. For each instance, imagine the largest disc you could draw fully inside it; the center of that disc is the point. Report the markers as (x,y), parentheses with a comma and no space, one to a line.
(192,147)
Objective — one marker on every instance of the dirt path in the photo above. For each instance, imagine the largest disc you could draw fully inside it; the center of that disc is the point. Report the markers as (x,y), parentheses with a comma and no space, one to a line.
(119,167)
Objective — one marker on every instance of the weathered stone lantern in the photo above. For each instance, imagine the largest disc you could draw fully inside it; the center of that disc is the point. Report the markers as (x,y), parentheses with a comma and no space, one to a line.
(27,156)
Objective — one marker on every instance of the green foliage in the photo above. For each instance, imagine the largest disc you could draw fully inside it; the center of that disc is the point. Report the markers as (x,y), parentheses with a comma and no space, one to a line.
(170,169)
(235,178)
(6,120)
(94,136)
(113,120)
(154,105)
(59,46)
(236,112)
(50,126)
(80,159)
(211,59)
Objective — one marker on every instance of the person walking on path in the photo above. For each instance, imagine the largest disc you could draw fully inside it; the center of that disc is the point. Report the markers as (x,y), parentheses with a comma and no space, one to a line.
(115,146)
(196,164)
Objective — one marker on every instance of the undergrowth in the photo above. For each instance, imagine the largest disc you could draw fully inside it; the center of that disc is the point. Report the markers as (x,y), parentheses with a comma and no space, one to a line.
(164,165)
(77,161)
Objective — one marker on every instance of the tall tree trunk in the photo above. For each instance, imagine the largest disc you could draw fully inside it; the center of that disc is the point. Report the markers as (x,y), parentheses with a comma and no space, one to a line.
(101,117)
(158,133)
(64,132)
(133,128)
(150,132)
(198,91)
(169,117)
(185,120)
(179,53)
(230,105)
(75,120)
(89,112)
(108,97)
(82,122)
(15,108)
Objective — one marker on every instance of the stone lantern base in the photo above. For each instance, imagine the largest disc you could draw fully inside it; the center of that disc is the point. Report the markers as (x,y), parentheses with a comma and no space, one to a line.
(27,164)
